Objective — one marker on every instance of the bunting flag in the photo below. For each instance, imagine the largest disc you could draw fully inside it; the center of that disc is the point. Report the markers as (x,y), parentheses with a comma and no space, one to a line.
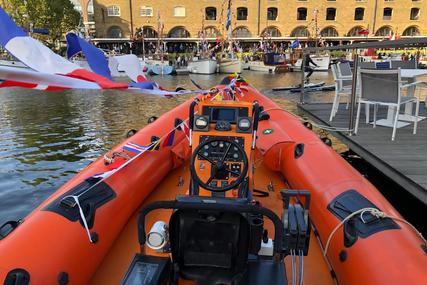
(95,57)
(185,129)
(364,32)
(49,71)
(168,141)
(294,44)
(136,148)
(40,58)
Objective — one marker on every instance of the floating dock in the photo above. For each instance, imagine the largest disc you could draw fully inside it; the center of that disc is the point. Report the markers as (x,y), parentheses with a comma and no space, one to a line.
(403,160)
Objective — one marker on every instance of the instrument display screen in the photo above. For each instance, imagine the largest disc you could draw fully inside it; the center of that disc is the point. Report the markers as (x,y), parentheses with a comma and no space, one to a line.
(224,114)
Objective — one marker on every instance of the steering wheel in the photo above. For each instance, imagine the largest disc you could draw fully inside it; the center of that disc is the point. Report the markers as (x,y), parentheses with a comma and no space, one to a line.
(219,164)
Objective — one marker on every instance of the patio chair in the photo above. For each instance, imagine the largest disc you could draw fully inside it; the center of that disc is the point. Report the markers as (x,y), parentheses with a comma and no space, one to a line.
(343,76)
(342,85)
(409,64)
(383,88)
(367,64)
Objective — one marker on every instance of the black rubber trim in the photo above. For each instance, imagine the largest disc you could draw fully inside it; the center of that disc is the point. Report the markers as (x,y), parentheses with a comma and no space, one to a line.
(93,199)
(17,276)
(349,202)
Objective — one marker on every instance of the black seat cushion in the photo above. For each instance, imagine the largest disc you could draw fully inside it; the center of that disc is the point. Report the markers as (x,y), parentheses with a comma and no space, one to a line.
(209,247)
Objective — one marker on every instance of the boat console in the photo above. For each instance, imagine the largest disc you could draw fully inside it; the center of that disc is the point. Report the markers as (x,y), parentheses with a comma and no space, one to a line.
(216,233)
(222,139)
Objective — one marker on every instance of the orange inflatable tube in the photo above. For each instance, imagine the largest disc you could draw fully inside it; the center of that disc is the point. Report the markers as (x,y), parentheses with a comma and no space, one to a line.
(52,245)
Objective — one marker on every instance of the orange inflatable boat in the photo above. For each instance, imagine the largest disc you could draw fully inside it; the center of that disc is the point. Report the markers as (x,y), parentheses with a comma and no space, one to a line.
(226,188)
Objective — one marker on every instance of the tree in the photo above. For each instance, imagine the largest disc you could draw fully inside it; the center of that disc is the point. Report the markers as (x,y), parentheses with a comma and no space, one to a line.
(58,16)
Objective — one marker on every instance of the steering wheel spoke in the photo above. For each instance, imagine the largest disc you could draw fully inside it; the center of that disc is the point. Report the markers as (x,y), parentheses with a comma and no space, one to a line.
(207,158)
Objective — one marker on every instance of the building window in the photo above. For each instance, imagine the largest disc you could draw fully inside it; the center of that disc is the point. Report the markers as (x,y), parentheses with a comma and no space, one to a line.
(415,14)
(114,32)
(178,32)
(300,32)
(146,32)
(210,13)
(359,13)
(271,32)
(329,32)
(302,14)
(384,31)
(242,13)
(241,32)
(411,31)
(330,14)
(272,14)
(113,11)
(355,31)
(179,11)
(146,11)
(387,13)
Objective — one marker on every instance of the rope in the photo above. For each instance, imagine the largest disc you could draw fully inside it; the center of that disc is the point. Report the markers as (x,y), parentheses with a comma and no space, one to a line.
(322,127)
(82,216)
(153,145)
(375,212)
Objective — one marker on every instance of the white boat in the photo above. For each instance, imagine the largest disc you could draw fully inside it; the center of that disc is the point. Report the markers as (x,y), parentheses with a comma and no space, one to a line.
(230,66)
(202,66)
(261,66)
(322,61)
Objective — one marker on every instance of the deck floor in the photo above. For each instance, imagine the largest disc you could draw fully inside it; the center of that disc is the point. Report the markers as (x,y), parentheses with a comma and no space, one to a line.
(403,160)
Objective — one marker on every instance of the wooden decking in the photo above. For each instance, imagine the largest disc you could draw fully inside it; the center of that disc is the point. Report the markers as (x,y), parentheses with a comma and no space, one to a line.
(403,160)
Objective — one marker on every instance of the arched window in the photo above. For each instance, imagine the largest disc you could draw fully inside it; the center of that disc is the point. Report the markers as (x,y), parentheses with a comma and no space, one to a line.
(179,32)
(113,11)
(146,32)
(241,32)
(329,32)
(384,31)
(411,31)
(359,13)
(90,11)
(146,11)
(271,32)
(114,32)
(210,13)
(242,13)
(300,32)
(179,11)
(302,14)
(415,14)
(387,13)
(212,32)
(330,14)
(355,31)
(90,7)
(272,14)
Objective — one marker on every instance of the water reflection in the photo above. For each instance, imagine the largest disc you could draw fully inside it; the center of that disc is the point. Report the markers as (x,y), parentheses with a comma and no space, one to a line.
(47,137)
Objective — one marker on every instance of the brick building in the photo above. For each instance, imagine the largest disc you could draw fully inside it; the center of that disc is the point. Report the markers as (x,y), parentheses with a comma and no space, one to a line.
(283,19)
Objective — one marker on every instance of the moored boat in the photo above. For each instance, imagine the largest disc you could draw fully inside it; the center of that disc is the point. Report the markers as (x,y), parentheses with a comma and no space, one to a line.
(230,65)
(202,66)
(221,162)
(322,61)
(261,66)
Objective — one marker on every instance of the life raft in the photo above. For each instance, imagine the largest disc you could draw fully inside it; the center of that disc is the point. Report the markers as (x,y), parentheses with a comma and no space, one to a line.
(51,245)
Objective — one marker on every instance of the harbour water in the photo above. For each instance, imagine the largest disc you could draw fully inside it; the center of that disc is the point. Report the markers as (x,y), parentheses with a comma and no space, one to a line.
(47,137)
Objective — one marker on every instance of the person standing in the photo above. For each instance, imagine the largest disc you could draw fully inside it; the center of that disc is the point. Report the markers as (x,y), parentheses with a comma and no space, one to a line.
(308,68)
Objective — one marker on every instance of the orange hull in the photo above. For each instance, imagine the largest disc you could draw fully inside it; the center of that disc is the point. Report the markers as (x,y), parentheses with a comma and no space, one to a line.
(47,244)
